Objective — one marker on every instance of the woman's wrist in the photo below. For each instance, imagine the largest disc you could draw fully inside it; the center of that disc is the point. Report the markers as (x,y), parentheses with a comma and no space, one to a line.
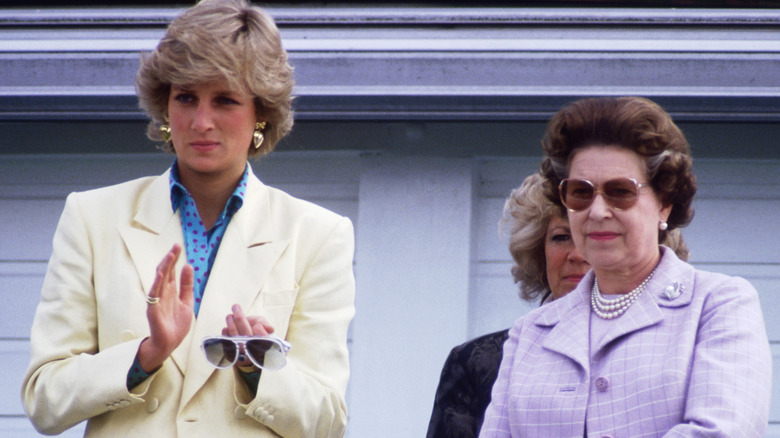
(248,369)
(149,357)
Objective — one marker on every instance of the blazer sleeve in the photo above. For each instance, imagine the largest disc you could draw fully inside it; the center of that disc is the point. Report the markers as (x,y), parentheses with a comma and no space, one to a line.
(731,375)
(68,379)
(307,396)
(496,423)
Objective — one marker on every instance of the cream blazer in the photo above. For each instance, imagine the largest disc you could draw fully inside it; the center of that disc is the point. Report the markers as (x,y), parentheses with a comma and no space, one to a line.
(283,258)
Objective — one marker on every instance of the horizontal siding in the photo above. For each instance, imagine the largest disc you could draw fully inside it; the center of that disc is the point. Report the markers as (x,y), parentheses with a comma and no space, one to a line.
(20,286)
(15,355)
(20,427)
(494,302)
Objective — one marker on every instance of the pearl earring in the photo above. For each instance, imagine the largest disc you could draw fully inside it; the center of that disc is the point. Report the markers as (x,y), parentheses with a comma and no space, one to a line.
(662,225)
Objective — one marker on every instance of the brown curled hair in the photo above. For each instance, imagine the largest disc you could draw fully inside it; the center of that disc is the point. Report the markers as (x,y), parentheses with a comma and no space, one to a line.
(634,123)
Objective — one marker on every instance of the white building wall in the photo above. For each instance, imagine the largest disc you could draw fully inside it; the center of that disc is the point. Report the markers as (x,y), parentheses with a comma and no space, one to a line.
(412,282)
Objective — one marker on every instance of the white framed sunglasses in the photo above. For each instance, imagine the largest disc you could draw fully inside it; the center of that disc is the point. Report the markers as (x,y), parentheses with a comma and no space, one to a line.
(265,352)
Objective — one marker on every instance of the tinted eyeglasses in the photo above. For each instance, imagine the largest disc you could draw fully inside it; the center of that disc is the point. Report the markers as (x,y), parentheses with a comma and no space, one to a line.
(266,352)
(619,193)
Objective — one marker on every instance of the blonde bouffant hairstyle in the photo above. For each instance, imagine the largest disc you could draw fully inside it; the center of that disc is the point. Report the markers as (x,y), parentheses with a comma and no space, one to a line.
(527,214)
(221,40)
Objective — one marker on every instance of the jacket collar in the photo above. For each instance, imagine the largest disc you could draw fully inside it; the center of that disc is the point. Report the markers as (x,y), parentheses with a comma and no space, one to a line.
(569,317)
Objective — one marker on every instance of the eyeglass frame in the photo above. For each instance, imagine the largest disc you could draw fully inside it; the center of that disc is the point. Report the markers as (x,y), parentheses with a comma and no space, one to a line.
(608,199)
(241,349)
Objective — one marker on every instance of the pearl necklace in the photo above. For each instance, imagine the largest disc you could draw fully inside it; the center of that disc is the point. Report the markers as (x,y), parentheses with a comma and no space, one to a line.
(611,309)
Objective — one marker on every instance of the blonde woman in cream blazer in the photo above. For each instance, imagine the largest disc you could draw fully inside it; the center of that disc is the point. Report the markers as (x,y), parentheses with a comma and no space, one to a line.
(116,337)
(290,262)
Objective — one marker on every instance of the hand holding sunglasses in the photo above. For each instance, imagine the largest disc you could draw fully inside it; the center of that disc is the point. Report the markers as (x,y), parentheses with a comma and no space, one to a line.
(619,193)
(265,352)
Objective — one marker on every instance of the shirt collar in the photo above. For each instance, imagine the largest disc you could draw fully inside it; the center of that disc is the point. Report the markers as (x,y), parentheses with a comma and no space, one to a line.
(179,192)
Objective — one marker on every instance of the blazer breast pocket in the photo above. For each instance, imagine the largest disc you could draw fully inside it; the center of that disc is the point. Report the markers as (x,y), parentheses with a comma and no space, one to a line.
(278,297)
(277,307)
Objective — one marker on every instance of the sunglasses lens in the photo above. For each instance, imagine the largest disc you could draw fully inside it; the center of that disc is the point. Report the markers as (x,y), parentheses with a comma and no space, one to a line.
(220,352)
(223,352)
(622,193)
(268,354)
(576,194)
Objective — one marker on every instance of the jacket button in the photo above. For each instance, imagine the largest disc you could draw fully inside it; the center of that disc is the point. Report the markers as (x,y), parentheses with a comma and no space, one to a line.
(152,405)
(239,413)
(127,335)
(602,384)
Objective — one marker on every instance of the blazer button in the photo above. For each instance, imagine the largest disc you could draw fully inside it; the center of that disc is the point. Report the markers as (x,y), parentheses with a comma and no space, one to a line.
(239,413)
(602,384)
(152,405)
(127,335)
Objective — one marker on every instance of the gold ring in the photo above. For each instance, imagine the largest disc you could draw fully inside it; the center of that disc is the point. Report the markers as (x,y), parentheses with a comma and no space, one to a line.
(152,300)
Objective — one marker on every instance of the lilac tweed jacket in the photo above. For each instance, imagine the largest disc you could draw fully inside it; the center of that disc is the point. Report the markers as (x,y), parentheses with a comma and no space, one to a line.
(689,358)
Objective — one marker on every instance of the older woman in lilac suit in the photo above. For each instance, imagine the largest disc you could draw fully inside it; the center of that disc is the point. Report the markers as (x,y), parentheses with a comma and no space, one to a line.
(646,345)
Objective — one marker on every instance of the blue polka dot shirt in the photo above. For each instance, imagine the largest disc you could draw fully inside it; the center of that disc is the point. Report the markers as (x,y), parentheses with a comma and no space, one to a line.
(201,245)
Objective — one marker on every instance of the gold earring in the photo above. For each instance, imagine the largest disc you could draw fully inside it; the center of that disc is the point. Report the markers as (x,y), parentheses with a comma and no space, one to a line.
(258,134)
(165,132)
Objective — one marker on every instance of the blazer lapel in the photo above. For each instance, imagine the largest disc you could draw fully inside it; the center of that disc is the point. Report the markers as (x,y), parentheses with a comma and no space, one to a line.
(247,253)
(155,229)
(674,287)
(643,313)
(570,317)
(670,286)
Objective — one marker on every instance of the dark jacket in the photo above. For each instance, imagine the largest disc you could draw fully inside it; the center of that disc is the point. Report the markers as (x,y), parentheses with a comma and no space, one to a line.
(464,387)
